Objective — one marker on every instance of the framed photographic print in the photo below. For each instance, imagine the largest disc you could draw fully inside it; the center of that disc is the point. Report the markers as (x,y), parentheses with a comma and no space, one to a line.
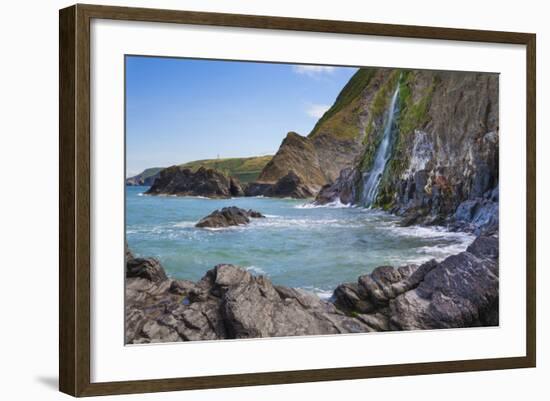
(250,200)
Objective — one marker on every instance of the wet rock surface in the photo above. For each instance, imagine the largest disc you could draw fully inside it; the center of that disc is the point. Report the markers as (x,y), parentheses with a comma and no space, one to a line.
(228,216)
(229,302)
(205,182)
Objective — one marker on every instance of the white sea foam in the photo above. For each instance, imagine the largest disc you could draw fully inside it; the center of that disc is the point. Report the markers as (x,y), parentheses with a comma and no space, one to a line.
(433,232)
(185,224)
(256,270)
(299,223)
(229,228)
(323,294)
(337,204)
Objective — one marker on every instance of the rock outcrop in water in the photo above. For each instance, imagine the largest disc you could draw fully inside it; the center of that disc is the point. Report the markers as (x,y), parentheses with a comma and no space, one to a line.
(228,216)
(229,302)
(206,182)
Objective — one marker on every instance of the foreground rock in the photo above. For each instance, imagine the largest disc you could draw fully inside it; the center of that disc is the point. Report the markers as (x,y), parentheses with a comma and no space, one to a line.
(206,182)
(228,302)
(228,216)
(461,291)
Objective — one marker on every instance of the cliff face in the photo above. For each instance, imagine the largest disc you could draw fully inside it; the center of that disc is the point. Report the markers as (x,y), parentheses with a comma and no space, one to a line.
(146,177)
(443,148)
(297,155)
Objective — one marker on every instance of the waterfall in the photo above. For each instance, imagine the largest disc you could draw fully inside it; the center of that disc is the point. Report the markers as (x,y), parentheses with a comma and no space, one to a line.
(371,179)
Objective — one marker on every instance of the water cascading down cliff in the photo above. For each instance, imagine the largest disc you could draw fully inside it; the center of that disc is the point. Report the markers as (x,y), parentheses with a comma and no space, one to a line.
(372,177)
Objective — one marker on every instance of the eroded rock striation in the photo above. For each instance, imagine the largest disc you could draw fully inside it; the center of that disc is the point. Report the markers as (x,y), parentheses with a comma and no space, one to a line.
(208,182)
(228,216)
(229,302)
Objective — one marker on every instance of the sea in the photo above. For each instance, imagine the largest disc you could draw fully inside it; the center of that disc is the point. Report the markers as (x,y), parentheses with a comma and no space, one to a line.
(315,248)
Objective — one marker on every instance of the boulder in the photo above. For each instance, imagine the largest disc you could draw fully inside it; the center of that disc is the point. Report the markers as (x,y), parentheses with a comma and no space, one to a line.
(206,182)
(228,216)
(148,268)
(460,291)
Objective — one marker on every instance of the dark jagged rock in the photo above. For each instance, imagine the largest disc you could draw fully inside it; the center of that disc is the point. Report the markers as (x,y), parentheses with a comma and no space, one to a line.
(342,190)
(148,268)
(229,302)
(289,186)
(257,189)
(206,182)
(228,216)
(292,186)
(479,215)
(460,291)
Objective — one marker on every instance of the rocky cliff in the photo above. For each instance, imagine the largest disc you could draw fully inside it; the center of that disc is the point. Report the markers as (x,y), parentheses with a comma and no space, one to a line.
(181,181)
(333,144)
(443,149)
(229,302)
(146,177)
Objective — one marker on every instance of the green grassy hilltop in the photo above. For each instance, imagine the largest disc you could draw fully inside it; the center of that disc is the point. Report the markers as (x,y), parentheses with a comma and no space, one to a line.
(246,169)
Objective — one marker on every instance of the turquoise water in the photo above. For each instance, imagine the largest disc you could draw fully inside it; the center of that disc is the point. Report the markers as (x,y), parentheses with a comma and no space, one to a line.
(315,248)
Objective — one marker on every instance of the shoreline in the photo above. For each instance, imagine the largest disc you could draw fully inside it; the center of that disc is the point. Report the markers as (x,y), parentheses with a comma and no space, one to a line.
(229,300)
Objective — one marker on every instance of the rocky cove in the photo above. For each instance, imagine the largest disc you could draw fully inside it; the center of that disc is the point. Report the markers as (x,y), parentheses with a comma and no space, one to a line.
(230,302)
(403,150)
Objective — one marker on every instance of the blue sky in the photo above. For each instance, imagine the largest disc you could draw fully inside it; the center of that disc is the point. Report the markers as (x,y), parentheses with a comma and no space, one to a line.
(179,110)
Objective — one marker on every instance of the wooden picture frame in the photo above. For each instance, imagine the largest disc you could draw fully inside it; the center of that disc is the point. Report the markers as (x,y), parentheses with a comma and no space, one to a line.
(74,199)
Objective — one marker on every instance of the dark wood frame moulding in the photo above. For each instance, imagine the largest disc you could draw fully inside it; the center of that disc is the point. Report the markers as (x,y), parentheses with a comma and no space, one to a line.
(74,199)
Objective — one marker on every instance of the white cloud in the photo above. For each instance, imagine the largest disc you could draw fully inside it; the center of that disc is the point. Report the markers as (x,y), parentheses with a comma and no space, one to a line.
(313,70)
(317,110)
